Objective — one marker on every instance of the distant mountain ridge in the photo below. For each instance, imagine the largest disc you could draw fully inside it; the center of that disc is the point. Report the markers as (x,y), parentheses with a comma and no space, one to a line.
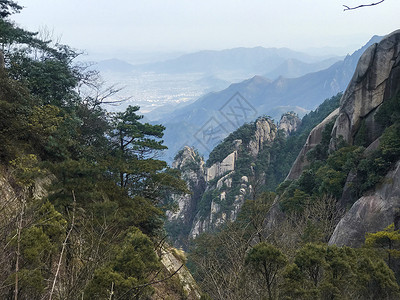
(257,59)
(292,68)
(113,65)
(237,62)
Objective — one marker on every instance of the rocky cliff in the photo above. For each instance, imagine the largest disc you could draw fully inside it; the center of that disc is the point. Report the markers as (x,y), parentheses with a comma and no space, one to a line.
(219,190)
(193,171)
(375,82)
(371,198)
(370,213)
(313,139)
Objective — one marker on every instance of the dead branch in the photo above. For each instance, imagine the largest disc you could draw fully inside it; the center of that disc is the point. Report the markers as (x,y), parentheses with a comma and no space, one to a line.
(64,246)
(19,229)
(360,6)
(151,283)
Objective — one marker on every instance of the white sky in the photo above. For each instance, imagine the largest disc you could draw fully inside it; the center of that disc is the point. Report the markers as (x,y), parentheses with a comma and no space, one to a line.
(112,26)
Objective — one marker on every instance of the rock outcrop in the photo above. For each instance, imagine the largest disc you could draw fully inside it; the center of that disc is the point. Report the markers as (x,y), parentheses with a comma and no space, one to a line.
(265,132)
(289,123)
(376,78)
(220,190)
(370,213)
(220,168)
(217,215)
(314,138)
(192,168)
(173,260)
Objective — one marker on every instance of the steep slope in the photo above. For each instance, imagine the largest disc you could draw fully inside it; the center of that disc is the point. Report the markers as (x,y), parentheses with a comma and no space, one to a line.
(375,84)
(354,154)
(259,96)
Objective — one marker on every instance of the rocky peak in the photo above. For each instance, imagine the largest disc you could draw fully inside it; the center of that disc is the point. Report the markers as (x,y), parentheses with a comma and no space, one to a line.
(191,165)
(375,79)
(265,132)
(289,123)
(185,157)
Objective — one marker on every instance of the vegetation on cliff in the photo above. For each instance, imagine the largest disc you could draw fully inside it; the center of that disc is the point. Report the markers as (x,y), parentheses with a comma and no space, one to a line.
(95,231)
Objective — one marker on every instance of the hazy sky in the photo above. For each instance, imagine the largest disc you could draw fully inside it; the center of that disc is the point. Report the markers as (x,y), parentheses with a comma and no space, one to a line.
(187,25)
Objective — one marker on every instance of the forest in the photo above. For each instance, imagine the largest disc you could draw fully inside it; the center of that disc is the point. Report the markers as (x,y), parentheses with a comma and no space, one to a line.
(83,197)
(84,188)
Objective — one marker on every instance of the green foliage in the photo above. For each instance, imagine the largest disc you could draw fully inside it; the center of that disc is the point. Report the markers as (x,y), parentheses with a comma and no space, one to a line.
(105,186)
(387,241)
(26,168)
(389,112)
(267,260)
(326,177)
(330,272)
(372,169)
(253,212)
(244,133)
(361,138)
(134,261)
(283,151)
(8,7)
(295,202)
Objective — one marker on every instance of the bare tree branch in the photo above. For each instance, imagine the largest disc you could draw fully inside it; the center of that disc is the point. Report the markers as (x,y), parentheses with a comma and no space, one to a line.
(151,283)
(18,252)
(363,5)
(63,247)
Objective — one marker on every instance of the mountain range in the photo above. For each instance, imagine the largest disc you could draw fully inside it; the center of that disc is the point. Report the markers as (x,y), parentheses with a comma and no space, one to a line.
(205,122)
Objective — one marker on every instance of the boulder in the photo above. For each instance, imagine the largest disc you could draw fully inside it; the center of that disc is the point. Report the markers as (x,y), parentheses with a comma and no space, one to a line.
(370,213)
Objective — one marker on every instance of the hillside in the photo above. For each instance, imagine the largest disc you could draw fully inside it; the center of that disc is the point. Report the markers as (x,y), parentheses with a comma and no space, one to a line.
(81,214)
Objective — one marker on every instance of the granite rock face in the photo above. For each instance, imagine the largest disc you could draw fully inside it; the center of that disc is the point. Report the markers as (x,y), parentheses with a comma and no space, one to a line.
(220,197)
(220,168)
(370,213)
(289,123)
(265,132)
(376,78)
(192,168)
(313,139)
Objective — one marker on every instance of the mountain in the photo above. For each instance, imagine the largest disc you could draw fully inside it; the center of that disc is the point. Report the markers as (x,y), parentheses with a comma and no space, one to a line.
(220,186)
(256,60)
(292,68)
(224,111)
(113,65)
